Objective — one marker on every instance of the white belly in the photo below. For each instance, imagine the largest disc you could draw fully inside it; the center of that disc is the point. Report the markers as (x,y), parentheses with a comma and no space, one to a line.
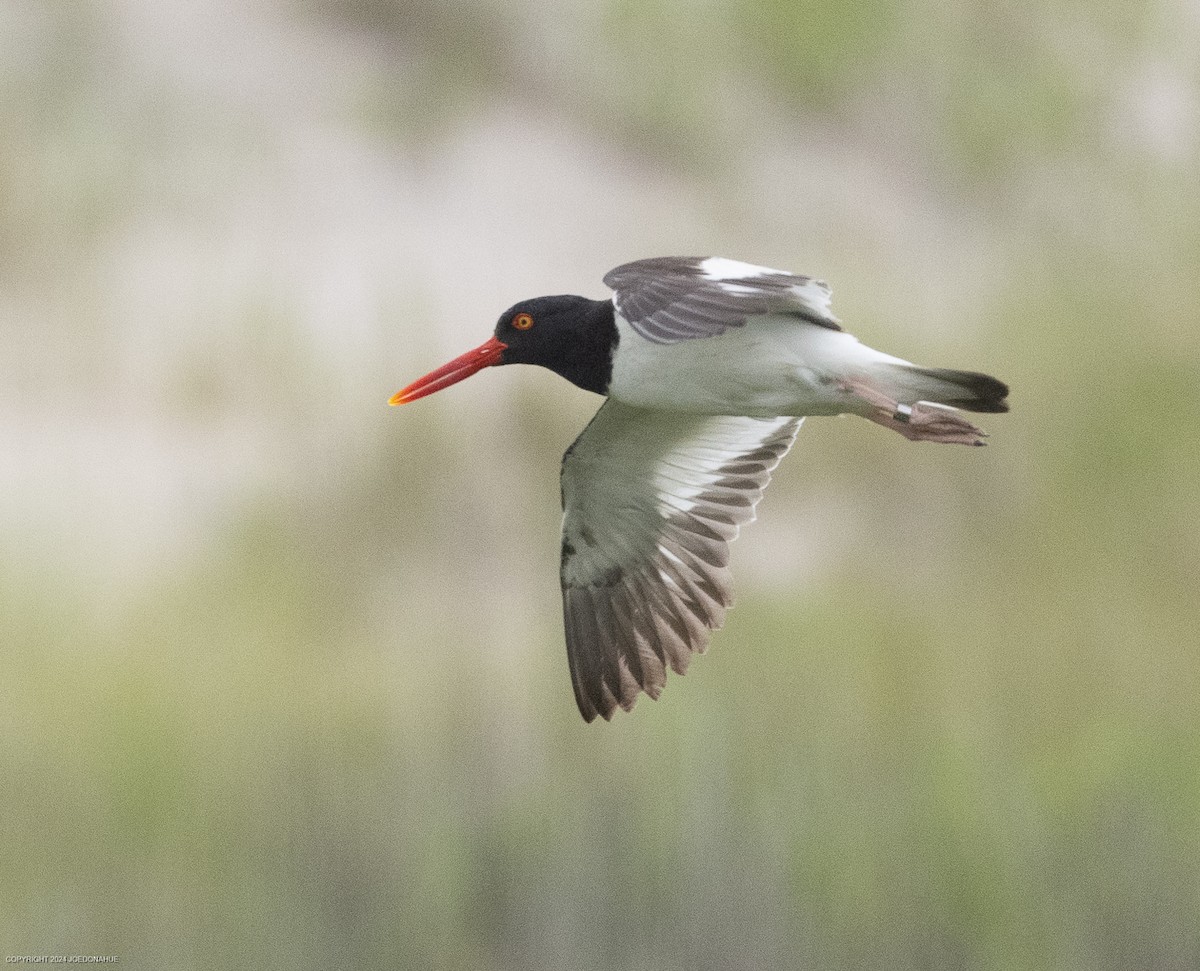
(771,366)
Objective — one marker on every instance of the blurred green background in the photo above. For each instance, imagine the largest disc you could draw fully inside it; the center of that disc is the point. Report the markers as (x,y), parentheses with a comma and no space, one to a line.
(282,681)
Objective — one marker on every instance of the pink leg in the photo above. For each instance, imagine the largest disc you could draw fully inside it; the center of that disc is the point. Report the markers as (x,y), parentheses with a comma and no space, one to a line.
(920,422)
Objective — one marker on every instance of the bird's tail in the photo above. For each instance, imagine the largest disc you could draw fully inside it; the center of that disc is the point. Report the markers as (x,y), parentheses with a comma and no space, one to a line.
(968,390)
(921,403)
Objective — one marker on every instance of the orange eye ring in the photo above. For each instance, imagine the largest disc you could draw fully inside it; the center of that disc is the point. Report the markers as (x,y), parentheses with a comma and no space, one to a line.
(522,321)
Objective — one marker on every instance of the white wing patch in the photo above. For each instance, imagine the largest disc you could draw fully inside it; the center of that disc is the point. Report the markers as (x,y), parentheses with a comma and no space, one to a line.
(816,295)
(721,268)
(651,501)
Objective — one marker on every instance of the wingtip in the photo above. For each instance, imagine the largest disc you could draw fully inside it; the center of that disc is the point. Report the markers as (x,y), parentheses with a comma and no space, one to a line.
(612,704)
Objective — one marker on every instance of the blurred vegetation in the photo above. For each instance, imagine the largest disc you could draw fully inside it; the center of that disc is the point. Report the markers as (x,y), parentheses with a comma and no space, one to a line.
(283,679)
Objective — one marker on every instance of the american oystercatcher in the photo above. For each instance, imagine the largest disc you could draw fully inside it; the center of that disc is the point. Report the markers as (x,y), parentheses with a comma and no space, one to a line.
(709,366)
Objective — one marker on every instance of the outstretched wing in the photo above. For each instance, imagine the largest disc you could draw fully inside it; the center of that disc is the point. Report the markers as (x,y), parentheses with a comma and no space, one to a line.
(651,501)
(678,298)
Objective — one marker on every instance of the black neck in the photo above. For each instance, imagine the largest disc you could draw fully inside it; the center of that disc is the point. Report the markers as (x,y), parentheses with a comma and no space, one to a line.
(588,363)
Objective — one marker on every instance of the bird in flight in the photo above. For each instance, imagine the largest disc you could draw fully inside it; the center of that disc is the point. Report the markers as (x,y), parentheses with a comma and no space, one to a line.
(709,365)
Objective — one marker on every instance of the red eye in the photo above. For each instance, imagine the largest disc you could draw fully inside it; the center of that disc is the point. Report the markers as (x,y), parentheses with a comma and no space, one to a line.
(522,321)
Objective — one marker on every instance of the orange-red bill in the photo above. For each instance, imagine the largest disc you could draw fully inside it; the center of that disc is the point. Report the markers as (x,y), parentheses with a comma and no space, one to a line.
(463,366)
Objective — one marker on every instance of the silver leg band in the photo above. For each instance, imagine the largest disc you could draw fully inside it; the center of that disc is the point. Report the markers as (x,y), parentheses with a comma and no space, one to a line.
(903,414)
